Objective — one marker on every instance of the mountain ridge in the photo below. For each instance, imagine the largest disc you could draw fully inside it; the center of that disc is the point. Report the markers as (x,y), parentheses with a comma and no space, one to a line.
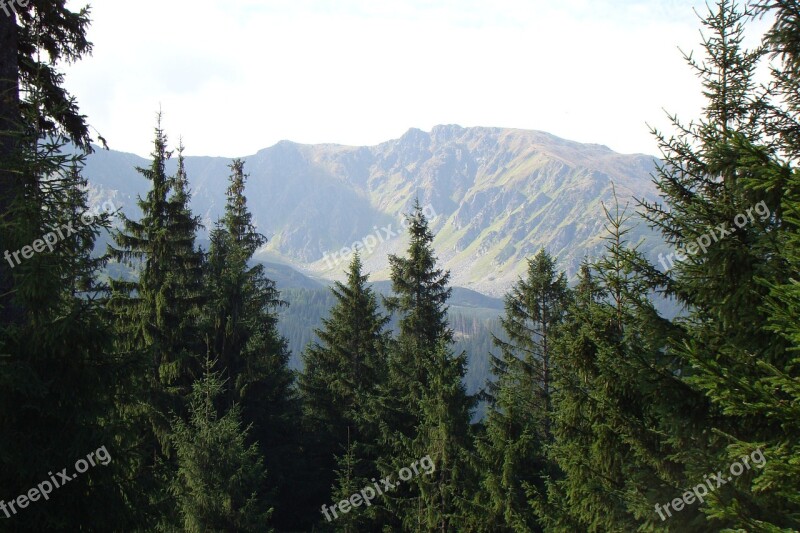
(499,195)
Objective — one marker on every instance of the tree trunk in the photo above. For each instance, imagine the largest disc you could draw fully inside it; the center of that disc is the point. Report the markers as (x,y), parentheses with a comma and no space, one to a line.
(9,181)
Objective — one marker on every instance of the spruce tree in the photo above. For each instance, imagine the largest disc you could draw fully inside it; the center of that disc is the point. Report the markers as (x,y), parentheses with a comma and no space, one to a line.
(726,192)
(186,278)
(570,497)
(519,428)
(250,353)
(57,367)
(244,300)
(617,399)
(437,500)
(342,372)
(219,473)
(420,293)
(35,39)
(424,407)
(768,498)
(157,313)
(352,473)
(156,319)
(58,31)
(775,392)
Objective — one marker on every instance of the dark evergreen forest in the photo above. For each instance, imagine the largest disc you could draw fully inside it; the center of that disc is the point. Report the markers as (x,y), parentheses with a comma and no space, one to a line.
(154,384)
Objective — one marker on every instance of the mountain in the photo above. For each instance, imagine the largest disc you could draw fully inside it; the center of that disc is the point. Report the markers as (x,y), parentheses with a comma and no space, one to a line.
(495,195)
(286,277)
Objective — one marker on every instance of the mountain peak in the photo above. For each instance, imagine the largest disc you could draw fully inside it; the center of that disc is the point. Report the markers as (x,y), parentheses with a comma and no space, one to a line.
(496,196)
(447,130)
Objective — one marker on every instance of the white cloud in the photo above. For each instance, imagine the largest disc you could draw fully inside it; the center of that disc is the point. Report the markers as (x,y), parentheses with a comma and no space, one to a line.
(236,76)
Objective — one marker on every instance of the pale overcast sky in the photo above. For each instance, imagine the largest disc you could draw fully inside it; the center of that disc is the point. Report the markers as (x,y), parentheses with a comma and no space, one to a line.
(236,76)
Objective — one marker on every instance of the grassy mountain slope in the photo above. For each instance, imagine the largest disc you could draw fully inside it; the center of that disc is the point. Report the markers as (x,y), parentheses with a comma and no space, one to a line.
(498,195)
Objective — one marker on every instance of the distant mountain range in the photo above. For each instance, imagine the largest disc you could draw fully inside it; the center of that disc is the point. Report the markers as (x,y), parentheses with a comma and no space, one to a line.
(498,195)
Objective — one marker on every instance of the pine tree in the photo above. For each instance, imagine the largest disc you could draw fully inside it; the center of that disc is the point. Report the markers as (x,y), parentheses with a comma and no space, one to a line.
(519,428)
(424,408)
(25,32)
(156,314)
(219,474)
(342,372)
(618,397)
(57,370)
(250,353)
(726,190)
(156,319)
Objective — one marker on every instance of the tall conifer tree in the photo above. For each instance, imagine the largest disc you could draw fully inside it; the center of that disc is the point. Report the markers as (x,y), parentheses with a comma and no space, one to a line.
(617,399)
(424,406)
(341,375)
(250,354)
(57,368)
(723,178)
(157,322)
(519,429)
(34,39)
(157,312)
(219,473)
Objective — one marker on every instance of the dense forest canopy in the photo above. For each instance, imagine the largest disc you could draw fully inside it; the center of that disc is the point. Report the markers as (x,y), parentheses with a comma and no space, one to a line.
(148,386)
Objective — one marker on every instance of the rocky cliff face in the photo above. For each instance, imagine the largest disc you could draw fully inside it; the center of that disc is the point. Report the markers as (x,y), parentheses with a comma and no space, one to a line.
(498,196)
